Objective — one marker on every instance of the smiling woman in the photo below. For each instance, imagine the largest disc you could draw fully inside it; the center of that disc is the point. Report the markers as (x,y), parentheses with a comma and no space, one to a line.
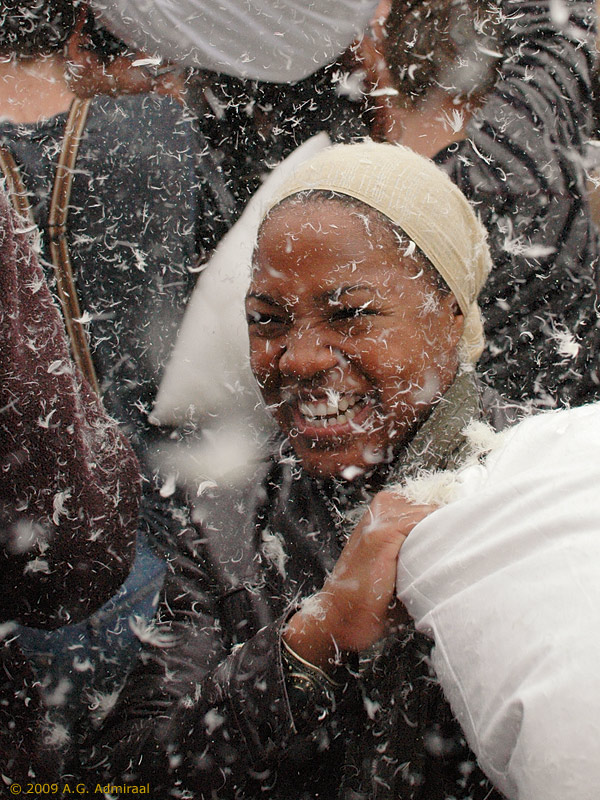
(355,339)
(295,673)
(351,339)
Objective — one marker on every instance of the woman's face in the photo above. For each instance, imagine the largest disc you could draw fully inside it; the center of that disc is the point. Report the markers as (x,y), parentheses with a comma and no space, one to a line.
(349,340)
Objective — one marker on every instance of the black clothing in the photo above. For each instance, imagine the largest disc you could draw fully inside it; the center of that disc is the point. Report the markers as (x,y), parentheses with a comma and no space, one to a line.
(252,126)
(145,194)
(207,709)
(523,167)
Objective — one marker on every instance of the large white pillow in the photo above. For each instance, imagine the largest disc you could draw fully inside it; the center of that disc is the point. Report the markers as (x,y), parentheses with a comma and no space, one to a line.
(209,364)
(506,580)
(267,40)
(208,377)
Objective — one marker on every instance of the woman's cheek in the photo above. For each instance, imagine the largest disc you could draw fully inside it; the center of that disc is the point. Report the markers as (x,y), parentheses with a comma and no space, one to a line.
(430,387)
(263,362)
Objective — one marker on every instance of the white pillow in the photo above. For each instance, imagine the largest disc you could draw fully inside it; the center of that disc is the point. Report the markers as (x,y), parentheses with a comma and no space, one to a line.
(208,377)
(268,40)
(506,580)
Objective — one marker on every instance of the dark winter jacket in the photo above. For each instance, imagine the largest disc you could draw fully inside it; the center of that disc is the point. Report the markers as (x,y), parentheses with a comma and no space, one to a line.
(207,708)
(523,167)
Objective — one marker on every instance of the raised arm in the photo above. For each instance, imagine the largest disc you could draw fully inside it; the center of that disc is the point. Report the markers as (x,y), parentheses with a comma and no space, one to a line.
(206,712)
(356,606)
(522,164)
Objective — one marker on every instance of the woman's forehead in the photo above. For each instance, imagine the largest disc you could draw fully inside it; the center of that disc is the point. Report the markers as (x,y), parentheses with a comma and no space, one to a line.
(322,217)
(330,243)
(294,235)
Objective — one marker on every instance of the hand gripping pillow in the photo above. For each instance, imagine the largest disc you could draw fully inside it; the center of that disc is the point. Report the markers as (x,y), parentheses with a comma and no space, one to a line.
(506,580)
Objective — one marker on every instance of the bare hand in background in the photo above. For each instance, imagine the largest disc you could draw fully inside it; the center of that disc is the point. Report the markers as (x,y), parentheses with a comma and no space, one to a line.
(89,75)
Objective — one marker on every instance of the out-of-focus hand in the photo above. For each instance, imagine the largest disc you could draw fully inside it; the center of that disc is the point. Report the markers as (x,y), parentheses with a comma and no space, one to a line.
(368,50)
(356,606)
(88,75)
(428,127)
(368,55)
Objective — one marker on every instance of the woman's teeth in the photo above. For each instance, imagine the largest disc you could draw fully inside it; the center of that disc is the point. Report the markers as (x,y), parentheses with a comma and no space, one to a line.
(330,412)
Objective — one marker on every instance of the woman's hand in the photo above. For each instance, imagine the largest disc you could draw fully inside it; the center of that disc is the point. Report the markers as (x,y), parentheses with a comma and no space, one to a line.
(356,606)
(88,75)
(388,117)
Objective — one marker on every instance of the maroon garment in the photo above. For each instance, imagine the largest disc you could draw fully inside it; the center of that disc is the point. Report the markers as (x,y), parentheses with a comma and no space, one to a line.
(69,482)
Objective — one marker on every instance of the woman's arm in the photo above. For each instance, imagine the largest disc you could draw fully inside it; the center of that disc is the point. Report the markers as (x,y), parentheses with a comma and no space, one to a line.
(356,606)
(202,713)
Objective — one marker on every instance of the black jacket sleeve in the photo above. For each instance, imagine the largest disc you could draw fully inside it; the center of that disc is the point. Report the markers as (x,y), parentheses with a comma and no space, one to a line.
(200,711)
(523,167)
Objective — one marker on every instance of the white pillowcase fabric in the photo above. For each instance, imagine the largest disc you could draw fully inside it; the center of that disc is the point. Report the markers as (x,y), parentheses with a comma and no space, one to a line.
(208,377)
(506,580)
(268,40)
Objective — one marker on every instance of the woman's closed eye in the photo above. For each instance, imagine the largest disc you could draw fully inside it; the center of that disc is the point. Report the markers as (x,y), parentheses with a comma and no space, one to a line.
(344,314)
(263,323)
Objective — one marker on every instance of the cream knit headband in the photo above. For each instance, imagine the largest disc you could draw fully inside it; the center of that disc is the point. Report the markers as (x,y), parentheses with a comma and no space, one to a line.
(418,197)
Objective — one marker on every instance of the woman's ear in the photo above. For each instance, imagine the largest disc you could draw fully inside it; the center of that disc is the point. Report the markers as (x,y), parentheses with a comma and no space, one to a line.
(456,317)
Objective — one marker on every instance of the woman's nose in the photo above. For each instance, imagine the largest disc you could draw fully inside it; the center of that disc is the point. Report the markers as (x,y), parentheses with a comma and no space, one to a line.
(306,353)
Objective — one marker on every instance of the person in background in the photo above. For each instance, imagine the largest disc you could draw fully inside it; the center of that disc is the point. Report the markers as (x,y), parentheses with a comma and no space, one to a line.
(500,96)
(127,199)
(69,497)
